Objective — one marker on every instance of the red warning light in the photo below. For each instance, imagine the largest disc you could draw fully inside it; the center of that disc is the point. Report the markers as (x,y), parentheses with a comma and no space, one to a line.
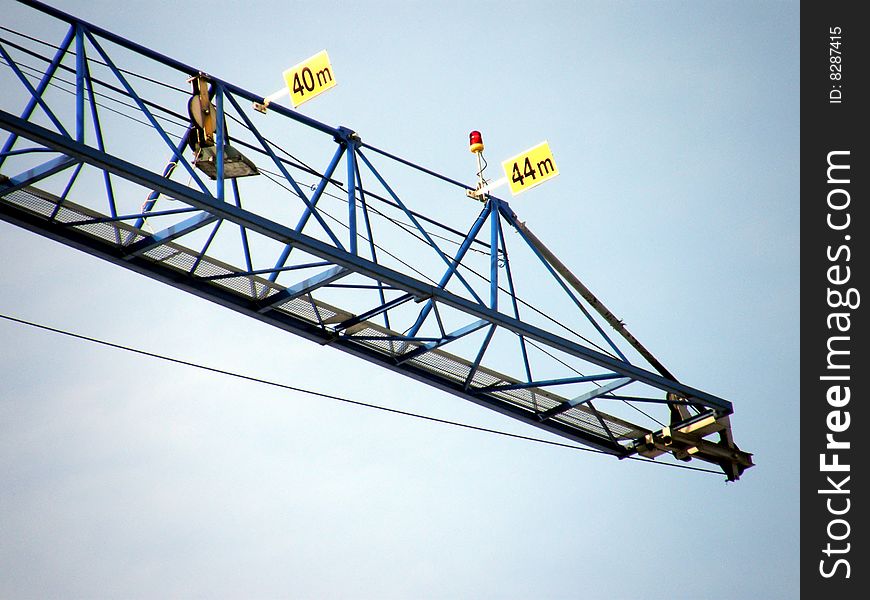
(475,141)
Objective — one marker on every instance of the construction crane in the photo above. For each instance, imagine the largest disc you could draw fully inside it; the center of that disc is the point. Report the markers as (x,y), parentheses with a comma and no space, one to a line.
(139,159)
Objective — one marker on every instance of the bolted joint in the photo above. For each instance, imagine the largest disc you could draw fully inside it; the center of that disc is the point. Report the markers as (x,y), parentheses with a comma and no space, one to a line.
(476,194)
(347,136)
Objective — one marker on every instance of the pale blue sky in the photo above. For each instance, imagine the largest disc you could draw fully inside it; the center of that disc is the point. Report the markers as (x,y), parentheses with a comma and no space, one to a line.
(676,129)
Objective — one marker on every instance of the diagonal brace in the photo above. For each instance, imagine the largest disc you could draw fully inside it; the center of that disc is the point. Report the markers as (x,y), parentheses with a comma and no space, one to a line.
(31,176)
(450,337)
(549,382)
(170,233)
(304,287)
(326,251)
(590,395)
(374,312)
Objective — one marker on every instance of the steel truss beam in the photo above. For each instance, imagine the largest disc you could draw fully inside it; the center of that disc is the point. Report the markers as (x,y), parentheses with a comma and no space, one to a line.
(348,265)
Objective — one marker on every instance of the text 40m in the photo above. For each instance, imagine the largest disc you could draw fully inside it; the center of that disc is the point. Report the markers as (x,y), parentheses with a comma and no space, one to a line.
(307,81)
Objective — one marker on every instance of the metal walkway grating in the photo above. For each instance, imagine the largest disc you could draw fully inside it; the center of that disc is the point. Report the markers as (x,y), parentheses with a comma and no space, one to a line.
(114,236)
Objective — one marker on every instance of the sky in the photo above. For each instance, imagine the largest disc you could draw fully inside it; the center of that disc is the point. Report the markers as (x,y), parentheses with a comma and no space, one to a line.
(675,126)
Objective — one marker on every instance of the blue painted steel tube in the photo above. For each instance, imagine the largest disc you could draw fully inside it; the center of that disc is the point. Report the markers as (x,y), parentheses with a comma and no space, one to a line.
(553,261)
(46,78)
(305,287)
(318,192)
(135,97)
(371,236)
(66,190)
(31,150)
(175,64)
(446,339)
(80,85)
(287,176)
(466,244)
(536,248)
(159,213)
(244,232)
(384,307)
(35,95)
(37,173)
(303,220)
(476,364)
(584,398)
(408,163)
(549,382)
(98,133)
(316,332)
(170,233)
(493,255)
(350,158)
(167,172)
(513,295)
(262,271)
(205,247)
(337,256)
(416,223)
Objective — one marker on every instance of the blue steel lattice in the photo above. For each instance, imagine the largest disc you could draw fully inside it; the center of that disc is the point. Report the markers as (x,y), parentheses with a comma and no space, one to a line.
(448,314)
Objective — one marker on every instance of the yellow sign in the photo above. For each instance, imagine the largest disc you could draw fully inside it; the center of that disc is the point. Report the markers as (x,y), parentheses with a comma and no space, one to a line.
(532,167)
(309,78)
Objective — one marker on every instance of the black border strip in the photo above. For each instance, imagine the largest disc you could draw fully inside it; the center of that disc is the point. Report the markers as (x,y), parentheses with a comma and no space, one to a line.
(834,229)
